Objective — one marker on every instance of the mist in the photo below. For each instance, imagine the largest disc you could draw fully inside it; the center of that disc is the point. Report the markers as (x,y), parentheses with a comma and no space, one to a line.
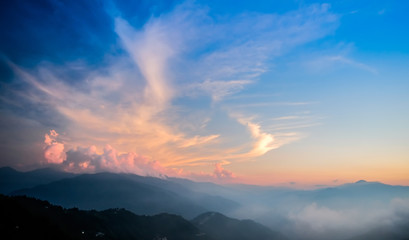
(347,211)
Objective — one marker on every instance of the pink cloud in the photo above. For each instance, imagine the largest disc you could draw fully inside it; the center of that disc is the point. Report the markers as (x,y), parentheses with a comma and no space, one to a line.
(219,175)
(87,159)
(222,173)
(90,160)
(53,150)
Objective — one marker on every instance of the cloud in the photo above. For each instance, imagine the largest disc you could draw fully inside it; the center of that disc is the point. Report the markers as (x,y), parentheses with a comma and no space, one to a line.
(53,150)
(324,63)
(219,89)
(263,141)
(220,175)
(89,160)
(320,218)
(198,140)
(150,50)
(321,222)
(140,100)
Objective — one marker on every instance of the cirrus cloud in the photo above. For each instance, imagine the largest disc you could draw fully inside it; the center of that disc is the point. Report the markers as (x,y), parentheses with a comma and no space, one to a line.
(141,100)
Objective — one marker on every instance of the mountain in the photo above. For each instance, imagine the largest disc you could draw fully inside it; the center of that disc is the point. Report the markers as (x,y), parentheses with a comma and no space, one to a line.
(360,194)
(28,218)
(141,195)
(219,226)
(12,180)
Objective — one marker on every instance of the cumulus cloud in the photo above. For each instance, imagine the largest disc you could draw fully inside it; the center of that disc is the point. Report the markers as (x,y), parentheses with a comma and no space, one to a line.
(90,160)
(220,175)
(53,150)
(87,159)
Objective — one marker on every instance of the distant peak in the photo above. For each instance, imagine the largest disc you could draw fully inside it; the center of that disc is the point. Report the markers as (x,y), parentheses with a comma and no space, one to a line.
(361,181)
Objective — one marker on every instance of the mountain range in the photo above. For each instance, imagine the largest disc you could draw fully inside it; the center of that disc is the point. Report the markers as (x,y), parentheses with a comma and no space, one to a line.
(349,211)
(142,195)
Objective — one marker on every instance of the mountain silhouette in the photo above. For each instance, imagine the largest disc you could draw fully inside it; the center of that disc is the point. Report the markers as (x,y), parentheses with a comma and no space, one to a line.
(141,195)
(12,180)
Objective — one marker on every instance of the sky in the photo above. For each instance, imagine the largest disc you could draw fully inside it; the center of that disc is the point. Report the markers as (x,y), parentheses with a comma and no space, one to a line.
(289,93)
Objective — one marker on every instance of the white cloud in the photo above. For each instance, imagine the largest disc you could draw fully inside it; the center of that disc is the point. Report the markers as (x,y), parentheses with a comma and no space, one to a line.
(220,89)
(320,222)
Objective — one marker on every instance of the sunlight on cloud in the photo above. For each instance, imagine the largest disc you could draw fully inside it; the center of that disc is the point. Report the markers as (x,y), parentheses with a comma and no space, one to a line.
(53,150)
(264,141)
(88,159)
(138,102)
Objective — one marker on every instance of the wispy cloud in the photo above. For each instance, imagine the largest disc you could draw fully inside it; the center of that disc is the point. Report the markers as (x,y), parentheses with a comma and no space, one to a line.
(264,141)
(134,102)
(220,89)
(326,62)
(266,104)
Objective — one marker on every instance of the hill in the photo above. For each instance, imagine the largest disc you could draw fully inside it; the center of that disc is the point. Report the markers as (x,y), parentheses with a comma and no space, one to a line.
(28,218)
(12,180)
(141,195)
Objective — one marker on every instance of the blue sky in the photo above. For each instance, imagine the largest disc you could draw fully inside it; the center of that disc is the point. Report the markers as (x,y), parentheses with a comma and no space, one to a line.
(266,92)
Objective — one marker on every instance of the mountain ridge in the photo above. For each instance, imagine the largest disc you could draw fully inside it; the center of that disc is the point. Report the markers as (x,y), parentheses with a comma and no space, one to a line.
(142,195)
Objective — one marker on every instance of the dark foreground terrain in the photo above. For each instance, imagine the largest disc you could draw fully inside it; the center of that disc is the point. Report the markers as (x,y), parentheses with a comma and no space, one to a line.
(29,218)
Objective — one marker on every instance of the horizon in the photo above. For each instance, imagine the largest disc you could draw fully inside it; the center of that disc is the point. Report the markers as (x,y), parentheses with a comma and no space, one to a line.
(285,93)
(290,186)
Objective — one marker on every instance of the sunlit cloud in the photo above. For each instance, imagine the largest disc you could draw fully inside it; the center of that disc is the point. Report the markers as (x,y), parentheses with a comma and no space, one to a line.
(90,160)
(264,142)
(53,150)
(220,174)
(135,106)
